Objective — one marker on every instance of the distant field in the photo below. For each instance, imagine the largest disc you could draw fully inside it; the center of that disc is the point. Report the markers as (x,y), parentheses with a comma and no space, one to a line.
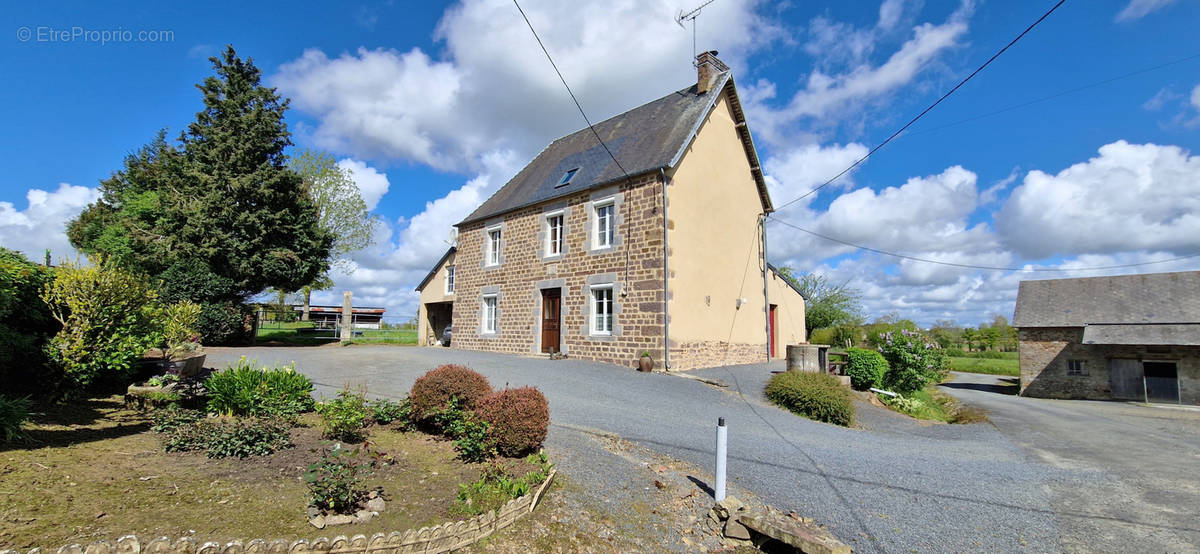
(287,333)
(1006,366)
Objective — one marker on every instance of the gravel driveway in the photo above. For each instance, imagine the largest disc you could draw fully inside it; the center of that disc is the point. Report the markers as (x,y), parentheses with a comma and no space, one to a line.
(897,486)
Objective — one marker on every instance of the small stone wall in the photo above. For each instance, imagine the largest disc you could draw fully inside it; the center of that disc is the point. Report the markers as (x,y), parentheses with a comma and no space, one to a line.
(439,538)
(702,354)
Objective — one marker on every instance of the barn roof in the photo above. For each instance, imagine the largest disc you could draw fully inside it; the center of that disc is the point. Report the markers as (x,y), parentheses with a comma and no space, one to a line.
(1152,298)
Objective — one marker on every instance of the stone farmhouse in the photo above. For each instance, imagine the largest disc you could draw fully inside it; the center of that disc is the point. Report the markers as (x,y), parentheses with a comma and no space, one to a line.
(576,256)
(1132,337)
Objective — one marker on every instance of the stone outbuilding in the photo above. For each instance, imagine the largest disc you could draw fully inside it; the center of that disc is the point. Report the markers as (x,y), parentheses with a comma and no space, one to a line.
(1126,337)
(661,253)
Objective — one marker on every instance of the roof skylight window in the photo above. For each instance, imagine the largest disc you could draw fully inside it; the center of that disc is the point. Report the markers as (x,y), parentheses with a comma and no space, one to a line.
(566,178)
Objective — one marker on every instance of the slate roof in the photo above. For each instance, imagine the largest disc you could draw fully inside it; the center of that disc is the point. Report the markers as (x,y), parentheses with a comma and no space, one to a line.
(1176,334)
(647,138)
(433,271)
(1130,299)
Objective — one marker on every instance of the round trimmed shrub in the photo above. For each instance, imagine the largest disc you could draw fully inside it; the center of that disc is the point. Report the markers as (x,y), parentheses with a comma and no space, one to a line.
(865,368)
(432,392)
(816,396)
(518,419)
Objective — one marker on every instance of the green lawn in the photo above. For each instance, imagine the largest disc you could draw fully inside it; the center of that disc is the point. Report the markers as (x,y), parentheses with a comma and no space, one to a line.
(289,335)
(1006,366)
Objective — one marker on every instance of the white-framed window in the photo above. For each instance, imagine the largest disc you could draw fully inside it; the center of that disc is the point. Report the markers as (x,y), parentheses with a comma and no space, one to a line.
(492,253)
(1076,367)
(602,310)
(554,234)
(488,321)
(449,279)
(605,224)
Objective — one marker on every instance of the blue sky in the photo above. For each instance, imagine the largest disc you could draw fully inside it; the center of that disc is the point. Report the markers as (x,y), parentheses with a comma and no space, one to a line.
(436,106)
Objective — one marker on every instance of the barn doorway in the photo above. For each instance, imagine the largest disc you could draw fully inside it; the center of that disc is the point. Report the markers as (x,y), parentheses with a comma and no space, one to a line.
(1162,382)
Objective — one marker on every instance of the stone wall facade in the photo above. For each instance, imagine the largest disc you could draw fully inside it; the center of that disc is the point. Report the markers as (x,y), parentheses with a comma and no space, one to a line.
(1046,351)
(692,355)
(632,266)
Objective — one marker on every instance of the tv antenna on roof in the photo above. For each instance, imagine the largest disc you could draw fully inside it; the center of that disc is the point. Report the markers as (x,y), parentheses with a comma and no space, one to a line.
(691,16)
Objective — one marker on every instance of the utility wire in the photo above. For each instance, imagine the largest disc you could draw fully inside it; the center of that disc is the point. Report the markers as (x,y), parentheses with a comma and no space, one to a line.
(931,106)
(1056,95)
(568,87)
(972,266)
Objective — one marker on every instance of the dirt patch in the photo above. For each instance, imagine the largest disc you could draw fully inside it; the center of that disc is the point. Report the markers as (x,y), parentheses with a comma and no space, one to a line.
(99,473)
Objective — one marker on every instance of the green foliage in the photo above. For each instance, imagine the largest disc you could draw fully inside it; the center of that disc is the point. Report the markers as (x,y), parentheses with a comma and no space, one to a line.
(384,411)
(242,438)
(341,211)
(913,361)
(890,323)
(109,317)
(245,389)
(169,419)
(335,482)
(816,396)
(229,437)
(224,322)
(473,439)
(826,304)
(344,417)
(434,389)
(179,328)
(13,412)
(518,417)
(495,487)
(865,368)
(222,203)
(26,323)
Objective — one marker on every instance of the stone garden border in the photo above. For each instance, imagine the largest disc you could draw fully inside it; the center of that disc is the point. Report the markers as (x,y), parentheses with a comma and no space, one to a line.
(439,538)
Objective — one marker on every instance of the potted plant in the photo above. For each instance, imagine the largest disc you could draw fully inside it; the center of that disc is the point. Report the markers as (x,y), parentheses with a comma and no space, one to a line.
(645,363)
(181,343)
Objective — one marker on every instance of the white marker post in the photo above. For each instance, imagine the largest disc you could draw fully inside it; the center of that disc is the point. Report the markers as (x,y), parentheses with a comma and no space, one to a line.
(719,486)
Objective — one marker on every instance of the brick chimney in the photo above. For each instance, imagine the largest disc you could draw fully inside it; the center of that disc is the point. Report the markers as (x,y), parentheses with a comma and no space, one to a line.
(708,66)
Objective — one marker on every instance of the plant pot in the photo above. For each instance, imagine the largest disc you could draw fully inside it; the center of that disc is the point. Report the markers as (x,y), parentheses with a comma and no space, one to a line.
(646,363)
(189,366)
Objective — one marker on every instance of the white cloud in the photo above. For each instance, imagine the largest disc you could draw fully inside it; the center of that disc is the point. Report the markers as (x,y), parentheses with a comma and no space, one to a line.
(478,97)
(43,223)
(372,184)
(844,81)
(1137,9)
(1130,197)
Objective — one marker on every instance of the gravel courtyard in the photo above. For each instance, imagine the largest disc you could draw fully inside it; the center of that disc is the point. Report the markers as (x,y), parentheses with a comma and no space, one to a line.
(893,486)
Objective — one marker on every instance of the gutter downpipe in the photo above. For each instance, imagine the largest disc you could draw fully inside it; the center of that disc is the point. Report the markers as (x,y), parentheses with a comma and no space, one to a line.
(762,223)
(662,175)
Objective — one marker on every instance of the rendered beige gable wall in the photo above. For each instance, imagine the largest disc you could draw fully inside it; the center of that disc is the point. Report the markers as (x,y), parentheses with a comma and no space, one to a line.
(715,253)
(434,291)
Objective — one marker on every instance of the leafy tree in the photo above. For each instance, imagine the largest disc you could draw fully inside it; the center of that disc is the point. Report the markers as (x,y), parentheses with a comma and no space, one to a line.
(109,318)
(25,323)
(946,332)
(341,211)
(970,336)
(220,217)
(826,304)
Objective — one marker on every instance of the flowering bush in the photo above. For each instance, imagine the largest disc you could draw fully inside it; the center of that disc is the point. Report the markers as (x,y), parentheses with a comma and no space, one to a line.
(913,361)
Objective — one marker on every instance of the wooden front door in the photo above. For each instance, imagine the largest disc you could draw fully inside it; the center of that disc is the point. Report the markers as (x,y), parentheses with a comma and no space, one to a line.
(551,322)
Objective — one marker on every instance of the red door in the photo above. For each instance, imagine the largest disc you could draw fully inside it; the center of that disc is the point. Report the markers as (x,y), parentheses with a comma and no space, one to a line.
(771,330)
(551,301)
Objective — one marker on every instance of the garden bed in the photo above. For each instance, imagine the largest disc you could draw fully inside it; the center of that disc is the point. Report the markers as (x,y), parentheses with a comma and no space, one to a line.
(98,472)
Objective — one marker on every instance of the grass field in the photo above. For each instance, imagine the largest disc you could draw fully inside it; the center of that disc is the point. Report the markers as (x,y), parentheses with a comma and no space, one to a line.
(1005,366)
(290,333)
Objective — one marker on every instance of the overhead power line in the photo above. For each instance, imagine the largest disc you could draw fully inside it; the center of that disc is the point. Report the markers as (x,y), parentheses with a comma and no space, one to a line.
(973,266)
(1055,95)
(568,87)
(926,110)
